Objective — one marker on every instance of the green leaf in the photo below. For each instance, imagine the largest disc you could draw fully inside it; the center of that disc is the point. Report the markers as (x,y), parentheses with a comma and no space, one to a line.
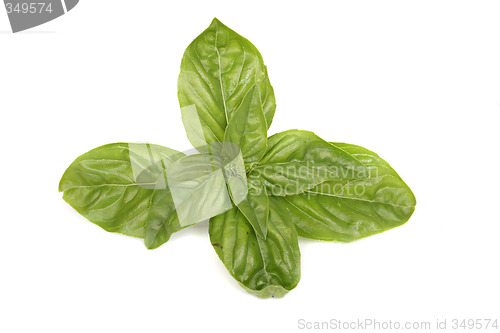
(255,207)
(265,268)
(299,160)
(247,128)
(112,185)
(162,220)
(348,209)
(218,70)
(234,171)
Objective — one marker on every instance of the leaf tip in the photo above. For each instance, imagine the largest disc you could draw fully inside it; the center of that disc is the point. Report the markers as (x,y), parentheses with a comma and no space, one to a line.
(215,22)
(151,241)
(270,291)
(152,245)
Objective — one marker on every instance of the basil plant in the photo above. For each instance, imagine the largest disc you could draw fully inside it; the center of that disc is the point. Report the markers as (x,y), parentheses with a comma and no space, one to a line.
(259,193)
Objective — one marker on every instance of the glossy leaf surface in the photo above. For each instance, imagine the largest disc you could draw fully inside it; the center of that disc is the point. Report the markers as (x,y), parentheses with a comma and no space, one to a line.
(218,70)
(112,185)
(255,207)
(247,128)
(349,209)
(162,220)
(266,268)
(299,160)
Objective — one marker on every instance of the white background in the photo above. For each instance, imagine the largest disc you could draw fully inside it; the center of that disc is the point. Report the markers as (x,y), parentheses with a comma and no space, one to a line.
(416,81)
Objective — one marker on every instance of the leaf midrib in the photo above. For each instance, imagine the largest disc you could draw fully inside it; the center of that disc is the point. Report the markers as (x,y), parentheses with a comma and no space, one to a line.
(220,72)
(111,185)
(358,199)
